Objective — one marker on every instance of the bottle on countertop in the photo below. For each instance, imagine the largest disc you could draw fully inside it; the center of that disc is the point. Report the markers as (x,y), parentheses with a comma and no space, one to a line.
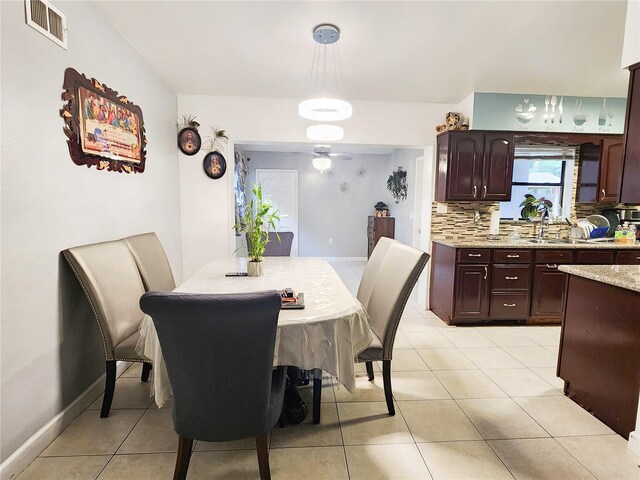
(618,235)
(631,235)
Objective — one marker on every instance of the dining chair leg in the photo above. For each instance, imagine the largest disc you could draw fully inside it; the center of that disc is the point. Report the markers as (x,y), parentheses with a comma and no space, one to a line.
(317,394)
(263,457)
(386,376)
(370,374)
(283,418)
(109,388)
(184,456)
(146,369)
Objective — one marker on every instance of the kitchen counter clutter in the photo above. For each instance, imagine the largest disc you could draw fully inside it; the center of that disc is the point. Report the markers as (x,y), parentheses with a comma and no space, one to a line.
(623,276)
(599,358)
(532,243)
(477,281)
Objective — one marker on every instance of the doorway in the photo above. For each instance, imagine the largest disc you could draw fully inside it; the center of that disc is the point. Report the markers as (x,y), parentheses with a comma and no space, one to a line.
(280,187)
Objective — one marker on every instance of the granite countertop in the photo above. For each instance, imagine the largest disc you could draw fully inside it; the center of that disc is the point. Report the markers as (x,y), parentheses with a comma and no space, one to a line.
(504,242)
(623,276)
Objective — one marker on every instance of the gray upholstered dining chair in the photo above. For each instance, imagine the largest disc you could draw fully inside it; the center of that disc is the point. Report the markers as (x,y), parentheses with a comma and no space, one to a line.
(110,280)
(218,350)
(394,280)
(152,262)
(388,279)
(275,247)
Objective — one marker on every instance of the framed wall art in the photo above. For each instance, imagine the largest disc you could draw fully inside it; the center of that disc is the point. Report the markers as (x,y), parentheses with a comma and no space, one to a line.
(214,165)
(189,141)
(103,128)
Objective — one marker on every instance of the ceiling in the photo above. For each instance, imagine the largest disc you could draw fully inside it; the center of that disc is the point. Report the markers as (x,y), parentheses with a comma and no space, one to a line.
(390,50)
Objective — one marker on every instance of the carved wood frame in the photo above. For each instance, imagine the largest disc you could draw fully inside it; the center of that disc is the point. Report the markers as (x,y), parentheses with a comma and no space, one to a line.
(71,115)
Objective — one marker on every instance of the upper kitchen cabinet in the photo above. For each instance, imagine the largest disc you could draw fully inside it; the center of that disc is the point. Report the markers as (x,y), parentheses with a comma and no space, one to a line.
(631,173)
(600,171)
(474,165)
(611,170)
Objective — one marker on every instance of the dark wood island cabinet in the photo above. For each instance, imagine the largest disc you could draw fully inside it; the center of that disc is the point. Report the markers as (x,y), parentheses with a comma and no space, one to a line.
(599,358)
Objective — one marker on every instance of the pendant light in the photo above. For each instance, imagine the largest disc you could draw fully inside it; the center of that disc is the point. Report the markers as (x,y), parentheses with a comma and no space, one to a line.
(325,77)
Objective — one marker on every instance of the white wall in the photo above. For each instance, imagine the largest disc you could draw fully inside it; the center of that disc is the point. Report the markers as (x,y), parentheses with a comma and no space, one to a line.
(324,210)
(631,47)
(50,347)
(207,205)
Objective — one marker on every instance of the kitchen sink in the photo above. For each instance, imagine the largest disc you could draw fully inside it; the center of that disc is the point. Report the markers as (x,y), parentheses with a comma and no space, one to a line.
(557,241)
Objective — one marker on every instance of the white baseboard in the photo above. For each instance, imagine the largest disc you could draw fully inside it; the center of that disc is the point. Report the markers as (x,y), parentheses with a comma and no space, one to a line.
(29,450)
(634,442)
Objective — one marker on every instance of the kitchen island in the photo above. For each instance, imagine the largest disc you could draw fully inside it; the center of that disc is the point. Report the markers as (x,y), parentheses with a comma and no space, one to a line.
(599,358)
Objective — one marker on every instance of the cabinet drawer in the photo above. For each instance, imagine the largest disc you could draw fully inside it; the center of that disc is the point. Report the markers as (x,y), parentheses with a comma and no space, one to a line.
(598,257)
(511,256)
(474,255)
(510,277)
(554,256)
(509,305)
(628,257)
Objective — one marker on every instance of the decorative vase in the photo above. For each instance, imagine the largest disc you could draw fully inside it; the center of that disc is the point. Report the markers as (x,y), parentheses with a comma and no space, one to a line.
(254,269)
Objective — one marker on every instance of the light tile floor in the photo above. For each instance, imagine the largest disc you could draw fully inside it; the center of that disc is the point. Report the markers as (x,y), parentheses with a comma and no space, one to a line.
(472,403)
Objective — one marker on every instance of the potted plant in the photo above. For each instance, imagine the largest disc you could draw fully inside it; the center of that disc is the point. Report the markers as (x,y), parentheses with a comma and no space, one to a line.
(397,184)
(534,207)
(259,218)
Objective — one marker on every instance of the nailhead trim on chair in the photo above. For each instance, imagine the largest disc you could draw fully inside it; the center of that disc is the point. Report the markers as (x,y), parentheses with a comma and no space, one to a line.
(104,342)
(393,334)
(95,314)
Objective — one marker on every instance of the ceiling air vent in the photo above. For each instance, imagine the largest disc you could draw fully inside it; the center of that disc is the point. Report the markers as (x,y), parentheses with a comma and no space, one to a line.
(47,20)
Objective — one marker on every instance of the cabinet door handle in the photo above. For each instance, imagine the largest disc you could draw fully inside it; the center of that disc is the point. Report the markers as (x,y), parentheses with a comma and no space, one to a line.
(485,273)
(603,193)
(510,278)
(475,254)
(513,256)
(509,304)
(484,191)
(552,265)
(475,191)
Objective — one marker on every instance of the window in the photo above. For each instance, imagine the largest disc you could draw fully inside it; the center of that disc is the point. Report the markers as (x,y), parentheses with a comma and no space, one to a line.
(541,172)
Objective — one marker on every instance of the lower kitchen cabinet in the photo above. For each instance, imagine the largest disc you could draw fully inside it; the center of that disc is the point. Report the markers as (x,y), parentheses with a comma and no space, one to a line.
(548,294)
(472,283)
(479,285)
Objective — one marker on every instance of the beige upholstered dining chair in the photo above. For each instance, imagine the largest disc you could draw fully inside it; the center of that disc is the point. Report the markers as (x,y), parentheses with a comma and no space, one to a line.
(109,277)
(393,282)
(152,262)
(388,279)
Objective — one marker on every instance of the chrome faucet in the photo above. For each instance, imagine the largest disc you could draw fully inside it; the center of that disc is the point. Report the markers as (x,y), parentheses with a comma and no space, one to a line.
(545,213)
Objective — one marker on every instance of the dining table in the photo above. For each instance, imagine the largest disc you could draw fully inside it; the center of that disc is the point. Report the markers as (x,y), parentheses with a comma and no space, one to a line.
(327,334)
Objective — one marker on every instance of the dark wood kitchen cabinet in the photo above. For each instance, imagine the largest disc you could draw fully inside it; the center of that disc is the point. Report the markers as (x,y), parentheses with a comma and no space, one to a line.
(630,192)
(611,170)
(474,165)
(472,291)
(548,292)
(600,171)
(478,285)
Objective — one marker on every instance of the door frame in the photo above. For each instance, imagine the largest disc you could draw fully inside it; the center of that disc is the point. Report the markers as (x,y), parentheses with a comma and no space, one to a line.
(295,245)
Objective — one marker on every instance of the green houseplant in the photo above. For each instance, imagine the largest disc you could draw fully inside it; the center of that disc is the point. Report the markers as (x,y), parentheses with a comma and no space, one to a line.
(534,207)
(259,218)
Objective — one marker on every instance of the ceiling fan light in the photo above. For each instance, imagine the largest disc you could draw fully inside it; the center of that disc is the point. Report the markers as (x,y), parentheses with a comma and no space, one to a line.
(325,109)
(325,133)
(321,163)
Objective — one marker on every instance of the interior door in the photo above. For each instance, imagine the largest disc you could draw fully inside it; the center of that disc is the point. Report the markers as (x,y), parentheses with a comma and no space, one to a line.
(280,187)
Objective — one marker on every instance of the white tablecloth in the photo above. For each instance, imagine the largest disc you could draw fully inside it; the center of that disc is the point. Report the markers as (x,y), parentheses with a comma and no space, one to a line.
(328,334)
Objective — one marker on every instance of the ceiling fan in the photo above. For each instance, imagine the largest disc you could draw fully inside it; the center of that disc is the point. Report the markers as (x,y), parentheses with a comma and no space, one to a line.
(323,151)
